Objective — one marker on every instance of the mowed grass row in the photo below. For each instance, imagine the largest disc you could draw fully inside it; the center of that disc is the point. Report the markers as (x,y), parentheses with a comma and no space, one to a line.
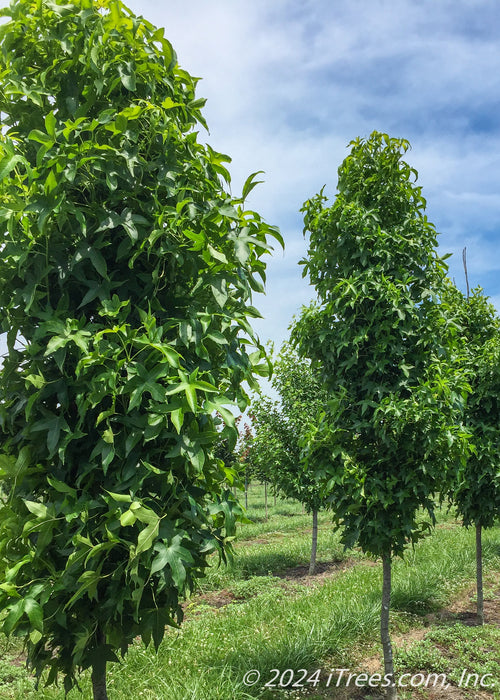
(268,622)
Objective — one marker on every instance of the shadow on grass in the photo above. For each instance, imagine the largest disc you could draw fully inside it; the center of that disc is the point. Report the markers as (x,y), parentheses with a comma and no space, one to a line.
(417,601)
(267,562)
(491,550)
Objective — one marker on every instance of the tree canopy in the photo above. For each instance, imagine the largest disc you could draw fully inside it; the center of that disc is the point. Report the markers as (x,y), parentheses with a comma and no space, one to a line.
(477,491)
(280,426)
(383,342)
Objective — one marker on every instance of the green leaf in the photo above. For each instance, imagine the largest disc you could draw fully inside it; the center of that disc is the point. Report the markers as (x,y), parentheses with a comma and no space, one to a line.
(55,343)
(121,121)
(38,509)
(218,255)
(127,518)
(147,536)
(61,487)
(37,380)
(175,556)
(98,261)
(108,436)
(177,418)
(219,290)
(8,163)
(50,124)
(250,183)
(127,75)
(35,613)
(89,581)
(53,434)
(191,397)
(15,613)
(41,137)
(120,497)
(50,182)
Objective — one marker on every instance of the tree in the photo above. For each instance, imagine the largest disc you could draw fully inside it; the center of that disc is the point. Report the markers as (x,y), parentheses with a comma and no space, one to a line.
(476,491)
(243,451)
(254,453)
(383,344)
(280,427)
(126,278)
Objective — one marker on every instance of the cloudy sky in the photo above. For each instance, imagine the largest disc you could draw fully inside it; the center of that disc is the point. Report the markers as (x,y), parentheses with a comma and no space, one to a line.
(289,83)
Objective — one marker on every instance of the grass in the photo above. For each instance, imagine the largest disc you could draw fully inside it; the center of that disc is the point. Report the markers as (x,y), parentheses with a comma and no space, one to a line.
(270,622)
(465,657)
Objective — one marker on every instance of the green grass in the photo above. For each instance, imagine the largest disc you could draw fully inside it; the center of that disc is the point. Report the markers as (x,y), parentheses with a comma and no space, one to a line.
(273,623)
(458,651)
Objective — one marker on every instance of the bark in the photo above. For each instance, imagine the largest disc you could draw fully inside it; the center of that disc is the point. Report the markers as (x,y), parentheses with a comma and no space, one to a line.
(246,490)
(265,496)
(314,547)
(479,576)
(99,673)
(384,627)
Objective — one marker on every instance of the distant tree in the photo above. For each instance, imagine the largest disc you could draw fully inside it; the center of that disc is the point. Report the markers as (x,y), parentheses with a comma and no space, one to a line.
(383,345)
(245,466)
(476,492)
(126,275)
(253,461)
(226,450)
(280,427)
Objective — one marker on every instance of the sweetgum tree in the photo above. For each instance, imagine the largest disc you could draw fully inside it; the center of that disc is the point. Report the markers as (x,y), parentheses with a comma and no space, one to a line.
(280,427)
(476,492)
(126,276)
(384,345)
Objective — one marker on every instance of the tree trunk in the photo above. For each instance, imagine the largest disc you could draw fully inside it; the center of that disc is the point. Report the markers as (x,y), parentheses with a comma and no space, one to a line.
(99,673)
(265,496)
(246,490)
(275,500)
(314,547)
(479,576)
(384,627)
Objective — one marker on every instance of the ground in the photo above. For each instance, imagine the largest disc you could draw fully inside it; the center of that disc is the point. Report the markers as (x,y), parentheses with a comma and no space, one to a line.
(264,611)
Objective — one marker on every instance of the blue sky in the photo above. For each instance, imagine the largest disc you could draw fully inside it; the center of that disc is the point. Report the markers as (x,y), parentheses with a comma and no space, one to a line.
(290,83)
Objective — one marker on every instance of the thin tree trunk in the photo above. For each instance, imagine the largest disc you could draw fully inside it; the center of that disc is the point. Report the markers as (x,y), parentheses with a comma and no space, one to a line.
(314,547)
(246,490)
(265,496)
(384,627)
(275,500)
(99,673)
(479,576)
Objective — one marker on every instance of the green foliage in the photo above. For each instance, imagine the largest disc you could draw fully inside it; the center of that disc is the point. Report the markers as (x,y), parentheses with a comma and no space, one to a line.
(126,278)
(477,490)
(383,342)
(280,426)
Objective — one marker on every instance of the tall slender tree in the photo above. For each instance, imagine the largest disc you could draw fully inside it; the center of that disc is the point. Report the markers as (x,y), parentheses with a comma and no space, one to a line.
(476,491)
(279,430)
(126,276)
(383,344)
